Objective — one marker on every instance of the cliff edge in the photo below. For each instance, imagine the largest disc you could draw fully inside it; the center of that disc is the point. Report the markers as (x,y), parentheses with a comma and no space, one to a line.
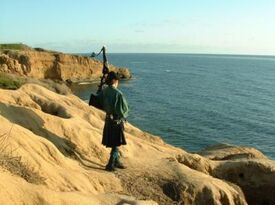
(42,64)
(51,153)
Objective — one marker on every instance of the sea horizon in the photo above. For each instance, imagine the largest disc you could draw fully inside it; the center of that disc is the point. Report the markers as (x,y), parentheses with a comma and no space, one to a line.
(183,53)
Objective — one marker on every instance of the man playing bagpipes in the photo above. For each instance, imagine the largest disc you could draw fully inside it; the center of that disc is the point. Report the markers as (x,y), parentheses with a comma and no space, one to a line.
(112,101)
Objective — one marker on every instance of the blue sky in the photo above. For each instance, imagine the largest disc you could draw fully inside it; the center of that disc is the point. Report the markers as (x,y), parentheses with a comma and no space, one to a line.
(170,26)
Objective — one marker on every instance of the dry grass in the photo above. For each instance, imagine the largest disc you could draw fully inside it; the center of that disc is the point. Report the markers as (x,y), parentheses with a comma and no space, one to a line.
(150,186)
(11,162)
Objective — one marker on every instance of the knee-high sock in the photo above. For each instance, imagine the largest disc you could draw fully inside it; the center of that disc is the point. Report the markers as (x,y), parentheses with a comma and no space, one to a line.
(115,153)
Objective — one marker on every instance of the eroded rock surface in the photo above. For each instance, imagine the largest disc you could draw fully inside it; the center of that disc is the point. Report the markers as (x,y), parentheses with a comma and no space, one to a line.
(59,138)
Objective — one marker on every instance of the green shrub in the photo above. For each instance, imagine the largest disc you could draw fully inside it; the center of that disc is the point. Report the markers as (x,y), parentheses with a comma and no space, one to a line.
(55,86)
(9,82)
(14,46)
(13,82)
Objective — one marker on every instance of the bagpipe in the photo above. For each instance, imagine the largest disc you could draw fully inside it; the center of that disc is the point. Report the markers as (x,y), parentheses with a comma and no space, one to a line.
(94,100)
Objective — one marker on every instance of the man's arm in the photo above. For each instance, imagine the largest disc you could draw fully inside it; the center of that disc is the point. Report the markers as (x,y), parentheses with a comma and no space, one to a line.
(121,106)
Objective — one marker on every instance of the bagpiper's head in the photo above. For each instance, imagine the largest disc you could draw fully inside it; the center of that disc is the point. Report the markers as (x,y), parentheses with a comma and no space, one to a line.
(112,79)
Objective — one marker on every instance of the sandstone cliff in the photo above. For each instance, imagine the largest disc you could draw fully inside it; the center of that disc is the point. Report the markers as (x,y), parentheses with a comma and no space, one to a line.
(51,153)
(41,64)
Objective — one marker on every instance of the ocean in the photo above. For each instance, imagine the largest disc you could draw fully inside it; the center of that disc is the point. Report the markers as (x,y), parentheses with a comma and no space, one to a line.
(195,100)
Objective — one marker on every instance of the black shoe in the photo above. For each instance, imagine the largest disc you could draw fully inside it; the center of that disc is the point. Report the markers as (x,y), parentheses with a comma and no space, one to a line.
(111,165)
(119,165)
(110,168)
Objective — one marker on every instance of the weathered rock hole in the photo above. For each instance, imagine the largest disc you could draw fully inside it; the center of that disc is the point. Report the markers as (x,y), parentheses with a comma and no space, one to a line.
(52,108)
(265,202)
(55,109)
(241,175)
(171,190)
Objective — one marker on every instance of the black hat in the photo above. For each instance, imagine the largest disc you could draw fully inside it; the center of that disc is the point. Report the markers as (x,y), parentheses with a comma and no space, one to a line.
(112,76)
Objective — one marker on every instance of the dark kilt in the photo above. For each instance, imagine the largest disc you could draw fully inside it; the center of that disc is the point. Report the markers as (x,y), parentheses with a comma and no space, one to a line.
(113,133)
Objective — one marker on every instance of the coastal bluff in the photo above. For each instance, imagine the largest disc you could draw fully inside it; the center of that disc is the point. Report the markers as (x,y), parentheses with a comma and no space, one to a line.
(43,64)
(51,153)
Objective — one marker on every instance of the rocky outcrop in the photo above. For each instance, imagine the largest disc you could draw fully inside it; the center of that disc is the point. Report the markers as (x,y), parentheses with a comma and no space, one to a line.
(43,64)
(246,167)
(231,152)
(58,140)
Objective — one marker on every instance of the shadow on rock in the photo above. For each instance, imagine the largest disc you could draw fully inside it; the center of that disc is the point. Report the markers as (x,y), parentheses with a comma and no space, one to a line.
(28,119)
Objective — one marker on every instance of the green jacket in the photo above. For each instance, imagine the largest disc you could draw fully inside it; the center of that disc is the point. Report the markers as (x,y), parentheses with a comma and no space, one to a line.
(114,102)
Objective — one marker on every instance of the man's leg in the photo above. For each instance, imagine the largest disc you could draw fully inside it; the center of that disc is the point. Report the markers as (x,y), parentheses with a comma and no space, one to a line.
(113,157)
(118,163)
